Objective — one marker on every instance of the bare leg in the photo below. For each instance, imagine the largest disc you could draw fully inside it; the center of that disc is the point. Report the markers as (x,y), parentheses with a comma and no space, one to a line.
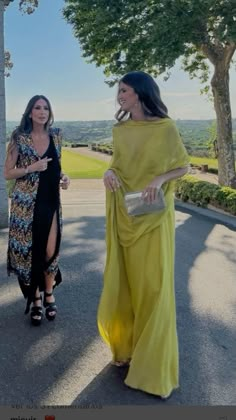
(51,246)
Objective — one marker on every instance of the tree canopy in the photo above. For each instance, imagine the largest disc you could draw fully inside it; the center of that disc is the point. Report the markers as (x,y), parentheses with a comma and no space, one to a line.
(28,6)
(125,35)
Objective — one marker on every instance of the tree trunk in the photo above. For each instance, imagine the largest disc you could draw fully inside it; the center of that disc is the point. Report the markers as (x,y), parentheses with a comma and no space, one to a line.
(226,160)
(3,189)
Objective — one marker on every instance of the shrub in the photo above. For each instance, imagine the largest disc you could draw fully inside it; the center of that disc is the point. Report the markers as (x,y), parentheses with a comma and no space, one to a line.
(225,197)
(231,203)
(183,187)
(213,170)
(203,193)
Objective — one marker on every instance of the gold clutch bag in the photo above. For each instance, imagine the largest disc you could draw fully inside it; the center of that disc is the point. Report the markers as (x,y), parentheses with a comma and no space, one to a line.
(136,206)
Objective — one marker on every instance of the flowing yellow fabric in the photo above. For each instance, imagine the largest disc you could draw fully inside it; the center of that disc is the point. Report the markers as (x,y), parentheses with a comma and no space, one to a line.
(136,313)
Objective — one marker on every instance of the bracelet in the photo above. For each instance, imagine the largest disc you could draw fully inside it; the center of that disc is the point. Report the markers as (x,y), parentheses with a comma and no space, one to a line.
(26,170)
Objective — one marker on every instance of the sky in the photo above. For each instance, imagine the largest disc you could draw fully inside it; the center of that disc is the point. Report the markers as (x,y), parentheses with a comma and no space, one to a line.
(48,60)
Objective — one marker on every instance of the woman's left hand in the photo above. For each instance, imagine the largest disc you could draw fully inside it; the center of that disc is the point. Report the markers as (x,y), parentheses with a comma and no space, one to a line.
(150,192)
(64,182)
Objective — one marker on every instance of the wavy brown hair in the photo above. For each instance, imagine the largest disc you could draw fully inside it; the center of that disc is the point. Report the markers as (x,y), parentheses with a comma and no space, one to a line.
(26,125)
(148,93)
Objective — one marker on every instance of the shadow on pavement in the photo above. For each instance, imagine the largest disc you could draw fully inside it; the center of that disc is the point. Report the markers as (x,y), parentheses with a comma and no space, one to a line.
(65,362)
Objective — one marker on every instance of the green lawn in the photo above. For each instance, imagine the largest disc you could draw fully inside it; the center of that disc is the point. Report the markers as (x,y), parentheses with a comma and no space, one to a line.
(79,166)
(212,163)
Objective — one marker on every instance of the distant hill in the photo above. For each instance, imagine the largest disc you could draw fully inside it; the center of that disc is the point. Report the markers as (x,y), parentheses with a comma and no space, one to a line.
(195,133)
(78,131)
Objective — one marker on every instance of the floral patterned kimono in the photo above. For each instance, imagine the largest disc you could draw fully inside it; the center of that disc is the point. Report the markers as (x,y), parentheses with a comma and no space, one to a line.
(136,314)
(35,199)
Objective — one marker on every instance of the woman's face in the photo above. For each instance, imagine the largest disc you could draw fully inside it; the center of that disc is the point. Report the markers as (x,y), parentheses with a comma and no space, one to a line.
(40,112)
(127,97)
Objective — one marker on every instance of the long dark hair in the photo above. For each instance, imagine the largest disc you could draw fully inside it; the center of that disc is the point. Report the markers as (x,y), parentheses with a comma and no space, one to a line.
(148,93)
(26,125)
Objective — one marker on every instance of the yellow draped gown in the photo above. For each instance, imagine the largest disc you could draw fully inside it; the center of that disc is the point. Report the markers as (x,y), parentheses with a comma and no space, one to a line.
(136,313)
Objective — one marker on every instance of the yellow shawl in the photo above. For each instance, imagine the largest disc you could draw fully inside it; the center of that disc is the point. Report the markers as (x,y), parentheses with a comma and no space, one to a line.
(142,151)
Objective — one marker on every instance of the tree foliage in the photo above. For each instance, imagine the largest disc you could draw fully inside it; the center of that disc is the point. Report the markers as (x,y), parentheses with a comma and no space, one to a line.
(25,6)
(8,63)
(124,35)
(28,6)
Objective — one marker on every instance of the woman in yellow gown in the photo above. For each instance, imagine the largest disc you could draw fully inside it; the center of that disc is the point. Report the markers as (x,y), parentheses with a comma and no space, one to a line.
(136,313)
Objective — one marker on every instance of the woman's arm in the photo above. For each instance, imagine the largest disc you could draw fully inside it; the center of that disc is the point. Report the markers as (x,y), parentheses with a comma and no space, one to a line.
(65,181)
(10,170)
(150,192)
(174,174)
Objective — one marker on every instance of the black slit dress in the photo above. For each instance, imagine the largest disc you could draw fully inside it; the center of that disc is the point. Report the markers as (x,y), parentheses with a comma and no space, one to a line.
(46,205)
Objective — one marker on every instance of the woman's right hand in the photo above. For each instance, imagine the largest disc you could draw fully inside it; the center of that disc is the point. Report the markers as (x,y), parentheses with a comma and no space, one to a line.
(40,166)
(111,181)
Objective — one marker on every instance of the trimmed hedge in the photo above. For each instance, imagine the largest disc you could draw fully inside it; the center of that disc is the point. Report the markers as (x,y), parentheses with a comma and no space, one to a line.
(210,169)
(102,147)
(203,193)
(78,145)
(213,171)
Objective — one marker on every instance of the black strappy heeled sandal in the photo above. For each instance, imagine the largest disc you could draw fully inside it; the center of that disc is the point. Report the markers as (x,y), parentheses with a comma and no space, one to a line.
(50,307)
(36,311)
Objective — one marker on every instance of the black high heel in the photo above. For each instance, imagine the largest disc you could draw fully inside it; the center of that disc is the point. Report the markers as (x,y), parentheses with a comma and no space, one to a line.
(36,311)
(50,307)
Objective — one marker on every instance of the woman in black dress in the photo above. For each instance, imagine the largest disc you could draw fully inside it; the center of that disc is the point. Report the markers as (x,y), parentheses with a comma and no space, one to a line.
(33,160)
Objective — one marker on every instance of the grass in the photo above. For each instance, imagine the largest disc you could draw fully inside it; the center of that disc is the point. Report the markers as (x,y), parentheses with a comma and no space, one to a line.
(212,163)
(78,166)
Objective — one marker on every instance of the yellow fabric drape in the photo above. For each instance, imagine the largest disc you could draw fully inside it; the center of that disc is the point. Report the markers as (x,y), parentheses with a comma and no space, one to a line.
(136,314)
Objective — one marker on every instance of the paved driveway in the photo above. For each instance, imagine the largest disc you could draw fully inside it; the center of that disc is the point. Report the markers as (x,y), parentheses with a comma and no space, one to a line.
(66,362)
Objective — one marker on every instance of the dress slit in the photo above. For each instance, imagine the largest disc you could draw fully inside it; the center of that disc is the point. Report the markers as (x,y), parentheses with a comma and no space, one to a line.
(58,240)
(46,205)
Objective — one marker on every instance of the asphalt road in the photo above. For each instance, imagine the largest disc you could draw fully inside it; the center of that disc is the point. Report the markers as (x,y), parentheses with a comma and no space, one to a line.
(66,363)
